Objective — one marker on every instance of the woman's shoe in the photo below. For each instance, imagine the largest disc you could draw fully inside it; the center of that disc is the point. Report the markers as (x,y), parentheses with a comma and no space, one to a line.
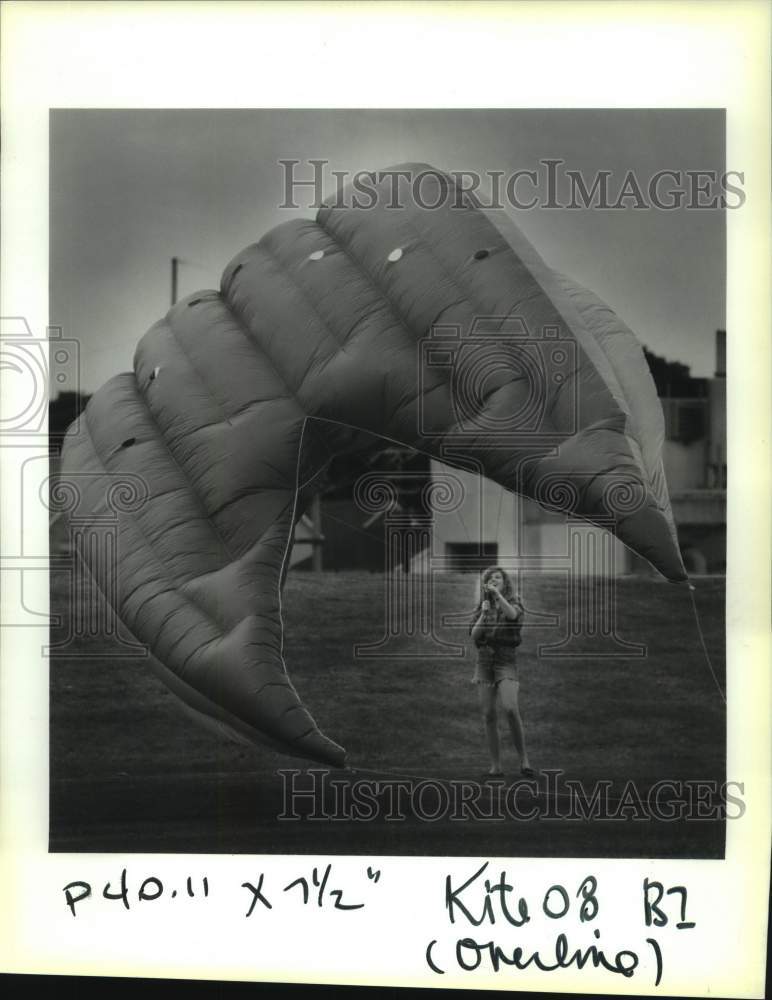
(529,772)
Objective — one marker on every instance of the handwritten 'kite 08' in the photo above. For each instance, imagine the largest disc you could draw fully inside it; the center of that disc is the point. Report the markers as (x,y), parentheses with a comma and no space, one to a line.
(433,327)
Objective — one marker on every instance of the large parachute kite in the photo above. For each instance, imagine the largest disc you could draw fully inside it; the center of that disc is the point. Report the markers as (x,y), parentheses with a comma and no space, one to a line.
(427,326)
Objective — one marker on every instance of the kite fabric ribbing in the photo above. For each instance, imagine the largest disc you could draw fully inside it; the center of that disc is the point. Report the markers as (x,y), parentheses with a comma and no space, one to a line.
(428,327)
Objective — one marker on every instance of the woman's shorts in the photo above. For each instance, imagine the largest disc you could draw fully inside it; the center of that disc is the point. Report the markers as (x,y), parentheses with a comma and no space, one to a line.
(491,671)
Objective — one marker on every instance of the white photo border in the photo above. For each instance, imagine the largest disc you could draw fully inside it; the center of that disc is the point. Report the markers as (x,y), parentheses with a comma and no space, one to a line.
(539,55)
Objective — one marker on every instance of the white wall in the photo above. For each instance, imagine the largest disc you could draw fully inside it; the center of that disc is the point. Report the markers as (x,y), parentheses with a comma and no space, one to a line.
(489,513)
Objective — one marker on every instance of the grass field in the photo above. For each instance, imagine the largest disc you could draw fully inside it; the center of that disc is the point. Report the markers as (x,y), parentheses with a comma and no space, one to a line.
(131,772)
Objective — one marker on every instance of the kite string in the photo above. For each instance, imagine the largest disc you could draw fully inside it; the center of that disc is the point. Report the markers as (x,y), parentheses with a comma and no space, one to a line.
(395,774)
(692,589)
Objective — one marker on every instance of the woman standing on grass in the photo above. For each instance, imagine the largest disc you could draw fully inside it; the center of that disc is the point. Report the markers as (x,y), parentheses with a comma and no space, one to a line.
(495,631)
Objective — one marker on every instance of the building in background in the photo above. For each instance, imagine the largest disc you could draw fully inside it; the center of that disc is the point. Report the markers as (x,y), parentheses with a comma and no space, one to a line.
(494,525)
(366,493)
(490,524)
(695,459)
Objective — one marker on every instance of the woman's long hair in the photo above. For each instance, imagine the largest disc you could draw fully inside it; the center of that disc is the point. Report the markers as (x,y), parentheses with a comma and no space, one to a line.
(507,591)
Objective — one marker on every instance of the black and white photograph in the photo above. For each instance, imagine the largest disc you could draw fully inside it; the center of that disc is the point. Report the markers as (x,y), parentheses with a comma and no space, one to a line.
(384,501)
(416,504)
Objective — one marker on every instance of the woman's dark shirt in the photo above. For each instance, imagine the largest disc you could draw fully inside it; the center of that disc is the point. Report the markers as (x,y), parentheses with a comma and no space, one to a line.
(499,636)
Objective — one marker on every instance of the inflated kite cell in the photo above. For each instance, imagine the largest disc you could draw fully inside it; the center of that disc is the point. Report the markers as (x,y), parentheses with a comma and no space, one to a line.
(435,328)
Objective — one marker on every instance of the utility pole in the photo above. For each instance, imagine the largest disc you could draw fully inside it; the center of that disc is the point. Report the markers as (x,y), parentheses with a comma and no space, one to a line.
(175,273)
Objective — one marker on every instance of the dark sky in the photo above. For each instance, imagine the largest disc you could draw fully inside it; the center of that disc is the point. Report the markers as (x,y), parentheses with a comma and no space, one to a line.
(131,189)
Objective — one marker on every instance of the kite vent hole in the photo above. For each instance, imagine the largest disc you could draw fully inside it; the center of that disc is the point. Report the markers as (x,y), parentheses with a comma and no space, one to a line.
(236,270)
(128,442)
(481,254)
(395,255)
(193,303)
(316,255)
(154,373)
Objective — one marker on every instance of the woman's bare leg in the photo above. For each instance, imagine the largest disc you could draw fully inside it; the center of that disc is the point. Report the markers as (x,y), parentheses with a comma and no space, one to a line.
(487,695)
(508,691)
